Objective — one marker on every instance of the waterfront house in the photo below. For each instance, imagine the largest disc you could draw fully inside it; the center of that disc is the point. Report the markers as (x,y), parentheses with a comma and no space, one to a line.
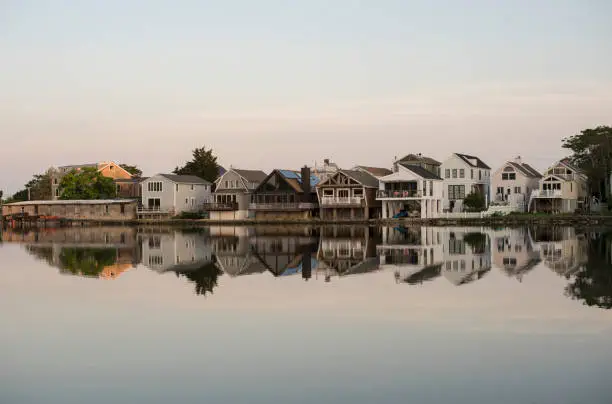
(129,188)
(410,191)
(513,184)
(285,194)
(232,194)
(464,174)
(562,189)
(173,194)
(349,194)
(106,168)
(97,209)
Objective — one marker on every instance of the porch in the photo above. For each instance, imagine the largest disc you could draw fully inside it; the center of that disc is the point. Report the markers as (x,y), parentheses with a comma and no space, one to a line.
(279,202)
(399,190)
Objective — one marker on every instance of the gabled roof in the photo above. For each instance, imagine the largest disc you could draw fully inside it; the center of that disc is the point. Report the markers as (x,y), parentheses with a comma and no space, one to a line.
(419,158)
(362,177)
(526,169)
(375,171)
(293,178)
(256,176)
(185,179)
(478,162)
(421,172)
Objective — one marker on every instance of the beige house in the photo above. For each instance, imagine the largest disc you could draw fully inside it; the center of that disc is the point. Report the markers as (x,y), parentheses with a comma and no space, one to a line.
(232,194)
(106,168)
(513,184)
(562,189)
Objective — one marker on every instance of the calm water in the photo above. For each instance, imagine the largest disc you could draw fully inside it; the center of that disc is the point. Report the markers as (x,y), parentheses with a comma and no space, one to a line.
(294,315)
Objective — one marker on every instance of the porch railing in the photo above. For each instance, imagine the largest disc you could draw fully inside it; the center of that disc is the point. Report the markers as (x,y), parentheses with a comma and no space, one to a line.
(401,194)
(282,206)
(547,193)
(154,211)
(335,200)
(220,206)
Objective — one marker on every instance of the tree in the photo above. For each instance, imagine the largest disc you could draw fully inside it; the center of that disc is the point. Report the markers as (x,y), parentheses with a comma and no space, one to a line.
(134,170)
(475,202)
(478,242)
(203,165)
(87,183)
(592,153)
(204,278)
(40,187)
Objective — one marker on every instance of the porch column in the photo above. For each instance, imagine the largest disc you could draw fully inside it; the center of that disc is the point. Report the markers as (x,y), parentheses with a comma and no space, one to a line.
(352,214)
(384,210)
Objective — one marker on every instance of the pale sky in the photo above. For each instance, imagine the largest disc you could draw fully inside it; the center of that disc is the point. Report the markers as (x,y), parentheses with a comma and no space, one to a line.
(276,83)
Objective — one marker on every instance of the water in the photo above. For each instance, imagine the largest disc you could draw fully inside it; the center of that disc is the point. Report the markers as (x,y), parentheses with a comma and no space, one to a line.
(297,315)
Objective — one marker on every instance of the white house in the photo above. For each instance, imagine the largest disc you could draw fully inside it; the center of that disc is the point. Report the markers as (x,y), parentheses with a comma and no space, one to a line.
(467,254)
(514,251)
(464,174)
(513,184)
(174,194)
(411,191)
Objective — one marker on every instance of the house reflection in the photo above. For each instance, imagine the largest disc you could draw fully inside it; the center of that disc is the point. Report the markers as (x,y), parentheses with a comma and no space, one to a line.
(174,250)
(232,249)
(286,251)
(414,254)
(347,250)
(514,251)
(99,252)
(561,249)
(467,254)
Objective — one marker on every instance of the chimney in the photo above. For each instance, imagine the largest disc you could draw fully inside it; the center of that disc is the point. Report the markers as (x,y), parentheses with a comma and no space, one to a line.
(326,162)
(306,266)
(306,184)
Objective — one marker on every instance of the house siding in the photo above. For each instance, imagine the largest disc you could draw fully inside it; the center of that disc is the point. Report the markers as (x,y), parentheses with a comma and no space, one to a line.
(482,178)
(76,211)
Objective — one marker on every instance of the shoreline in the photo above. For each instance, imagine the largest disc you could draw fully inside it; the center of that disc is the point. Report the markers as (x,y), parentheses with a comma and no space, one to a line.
(508,221)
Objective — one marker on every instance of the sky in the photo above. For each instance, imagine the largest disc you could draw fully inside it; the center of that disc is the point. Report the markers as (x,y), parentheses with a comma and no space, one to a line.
(279,84)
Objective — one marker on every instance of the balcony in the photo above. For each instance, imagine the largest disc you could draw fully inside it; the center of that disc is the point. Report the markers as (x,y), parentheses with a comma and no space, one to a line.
(400,194)
(282,206)
(547,193)
(219,206)
(328,201)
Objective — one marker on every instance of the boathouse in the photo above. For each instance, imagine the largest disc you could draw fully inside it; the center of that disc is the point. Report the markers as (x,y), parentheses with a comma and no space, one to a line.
(97,209)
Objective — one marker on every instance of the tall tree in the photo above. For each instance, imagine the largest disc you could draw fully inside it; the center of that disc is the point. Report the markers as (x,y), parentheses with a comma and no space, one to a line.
(87,183)
(592,153)
(205,278)
(40,187)
(204,165)
(134,170)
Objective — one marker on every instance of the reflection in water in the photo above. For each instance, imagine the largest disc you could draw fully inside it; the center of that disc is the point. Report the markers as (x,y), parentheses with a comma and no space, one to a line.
(411,255)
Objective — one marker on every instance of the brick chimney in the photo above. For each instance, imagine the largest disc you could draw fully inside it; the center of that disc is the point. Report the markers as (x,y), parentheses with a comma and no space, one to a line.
(306,188)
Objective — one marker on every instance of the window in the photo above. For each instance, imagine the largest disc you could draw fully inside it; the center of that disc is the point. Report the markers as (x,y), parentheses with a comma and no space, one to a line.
(328,192)
(456,192)
(111,168)
(447,173)
(155,260)
(177,187)
(480,174)
(155,242)
(154,186)
(192,202)
(186,201)
(122,210)
(57,192)
(118,189)
(472,173)
(454,173)
(226,184)
(500,190)
(358,192)
(430,188)
(462,173)
(192,187)
(106,209)
(571,187)
(55,181)
(517,190)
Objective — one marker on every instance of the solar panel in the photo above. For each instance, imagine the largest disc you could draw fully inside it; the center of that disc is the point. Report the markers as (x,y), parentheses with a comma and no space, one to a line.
(289,174)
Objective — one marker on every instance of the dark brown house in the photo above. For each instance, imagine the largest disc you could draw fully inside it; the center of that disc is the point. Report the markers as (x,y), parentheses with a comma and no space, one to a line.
(349,195)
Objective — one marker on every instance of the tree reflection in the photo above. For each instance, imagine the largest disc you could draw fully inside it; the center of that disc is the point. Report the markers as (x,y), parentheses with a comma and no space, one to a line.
(204,277)
(87,261)
(593,282)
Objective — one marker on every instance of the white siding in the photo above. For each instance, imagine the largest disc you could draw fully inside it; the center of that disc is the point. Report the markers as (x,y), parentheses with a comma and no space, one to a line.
(173,195)
(481,177)
(166,195)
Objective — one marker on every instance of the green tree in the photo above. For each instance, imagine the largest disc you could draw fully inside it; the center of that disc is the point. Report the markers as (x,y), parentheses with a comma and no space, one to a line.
(134,170)
(87,262)
(475,202)
(40,187)
(86,183)
(478,242)
(203,165)
(592,153)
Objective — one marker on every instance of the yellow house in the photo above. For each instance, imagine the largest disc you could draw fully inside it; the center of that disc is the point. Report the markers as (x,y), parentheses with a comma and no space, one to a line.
(106,168)
(562,189)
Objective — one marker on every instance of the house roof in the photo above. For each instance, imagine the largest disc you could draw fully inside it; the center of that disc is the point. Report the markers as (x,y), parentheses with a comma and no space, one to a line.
(420,158)
(364,178)
(375,171)
(185,179)
(468,159)
(421,172)
(525,169)
(251,175)
(134,180)
(75,166)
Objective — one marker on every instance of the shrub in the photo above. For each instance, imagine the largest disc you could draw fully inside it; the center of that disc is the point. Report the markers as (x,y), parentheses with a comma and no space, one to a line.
(475,202)
(191,215)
